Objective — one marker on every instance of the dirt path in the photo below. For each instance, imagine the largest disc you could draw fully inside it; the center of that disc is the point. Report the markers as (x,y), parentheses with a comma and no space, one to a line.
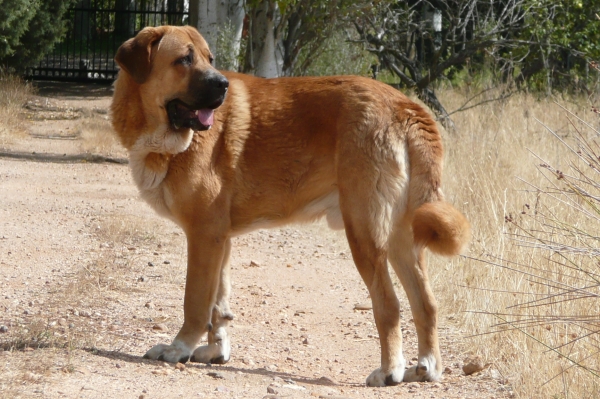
(91,278)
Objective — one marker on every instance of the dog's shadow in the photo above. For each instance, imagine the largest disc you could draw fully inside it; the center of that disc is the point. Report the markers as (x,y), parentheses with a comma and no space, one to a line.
(125,357)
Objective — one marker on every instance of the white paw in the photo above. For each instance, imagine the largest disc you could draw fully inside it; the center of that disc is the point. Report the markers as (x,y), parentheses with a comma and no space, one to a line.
(380,379)
(174,353)
(218,352)
(425,370)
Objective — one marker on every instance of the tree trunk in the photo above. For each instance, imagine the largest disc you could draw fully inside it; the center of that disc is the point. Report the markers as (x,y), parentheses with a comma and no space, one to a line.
(211,16)
(230,18)
(427,95)
(262,53)
(203,16)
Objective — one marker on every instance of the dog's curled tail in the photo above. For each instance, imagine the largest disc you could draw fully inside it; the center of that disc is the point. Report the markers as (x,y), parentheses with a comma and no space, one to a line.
(440,227)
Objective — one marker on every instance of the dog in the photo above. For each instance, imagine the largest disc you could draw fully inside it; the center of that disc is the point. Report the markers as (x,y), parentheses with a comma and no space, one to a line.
(222,154)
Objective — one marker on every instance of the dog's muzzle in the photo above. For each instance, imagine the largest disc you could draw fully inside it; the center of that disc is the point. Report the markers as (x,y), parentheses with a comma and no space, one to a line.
(198,114)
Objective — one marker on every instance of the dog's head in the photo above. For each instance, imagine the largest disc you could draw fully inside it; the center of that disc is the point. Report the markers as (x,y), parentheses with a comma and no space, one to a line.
(171,68)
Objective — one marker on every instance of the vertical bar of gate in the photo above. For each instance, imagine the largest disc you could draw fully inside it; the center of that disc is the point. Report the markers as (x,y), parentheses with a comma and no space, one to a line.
(82,63)
(104,48)
(103,56)
(111,30)
(162,12)
(93,29)
(87,45)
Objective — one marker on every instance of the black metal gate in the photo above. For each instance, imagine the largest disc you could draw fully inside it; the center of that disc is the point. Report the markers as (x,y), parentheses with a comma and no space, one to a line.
(96,28)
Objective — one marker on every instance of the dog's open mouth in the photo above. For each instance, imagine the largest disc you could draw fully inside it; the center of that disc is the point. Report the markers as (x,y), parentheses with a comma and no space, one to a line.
(183,116)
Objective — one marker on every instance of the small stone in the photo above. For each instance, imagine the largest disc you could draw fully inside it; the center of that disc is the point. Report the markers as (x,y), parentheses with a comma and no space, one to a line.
(84,313)
(141,279)
(149,305)
(142,396)
(254,264)
(3,329)
(117,365)
(167,262)
(160,327)
(305,341)
(150,264)
(62,322)
(271,390)
(473,364)
(327,381)
(221,388)
(180,366)
(71,325)
(163,371)
(363,306)
(447,370)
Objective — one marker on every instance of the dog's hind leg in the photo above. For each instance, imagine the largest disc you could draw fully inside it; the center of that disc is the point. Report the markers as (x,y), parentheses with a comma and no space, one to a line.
(218,349)
(409,264)
(371,262)
(367,198)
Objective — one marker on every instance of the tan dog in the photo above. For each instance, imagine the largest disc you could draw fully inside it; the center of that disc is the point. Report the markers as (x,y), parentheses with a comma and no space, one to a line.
(223,154)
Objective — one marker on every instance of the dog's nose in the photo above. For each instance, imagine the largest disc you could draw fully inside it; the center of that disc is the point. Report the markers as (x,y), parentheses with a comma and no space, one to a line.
(218,82)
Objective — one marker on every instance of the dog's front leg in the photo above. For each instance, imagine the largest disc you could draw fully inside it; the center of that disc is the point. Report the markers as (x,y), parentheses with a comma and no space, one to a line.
(218,349)
(205,258)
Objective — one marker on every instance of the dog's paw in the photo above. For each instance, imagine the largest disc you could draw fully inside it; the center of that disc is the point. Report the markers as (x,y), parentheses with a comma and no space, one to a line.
(425,370)
(169,353)
(215,353)
(380,379)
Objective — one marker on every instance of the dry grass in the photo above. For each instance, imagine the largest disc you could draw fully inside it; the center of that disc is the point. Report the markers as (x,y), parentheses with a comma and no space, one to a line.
(15,93)
(529,285)
(97,135)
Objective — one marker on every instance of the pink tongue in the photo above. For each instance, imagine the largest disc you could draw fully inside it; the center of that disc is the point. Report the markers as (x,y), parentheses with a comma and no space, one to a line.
(206,116)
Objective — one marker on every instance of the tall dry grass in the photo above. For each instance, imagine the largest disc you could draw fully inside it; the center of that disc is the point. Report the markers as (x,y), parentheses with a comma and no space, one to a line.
(14,93)
(525,172)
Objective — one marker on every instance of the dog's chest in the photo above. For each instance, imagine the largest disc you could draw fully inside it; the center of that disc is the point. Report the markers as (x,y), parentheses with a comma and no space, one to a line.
(150,182)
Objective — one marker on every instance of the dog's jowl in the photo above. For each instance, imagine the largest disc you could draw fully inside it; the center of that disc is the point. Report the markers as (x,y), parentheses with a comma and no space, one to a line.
(222,154)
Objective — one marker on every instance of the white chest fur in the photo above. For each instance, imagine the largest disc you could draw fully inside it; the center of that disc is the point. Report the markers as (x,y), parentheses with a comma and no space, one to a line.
(150,180)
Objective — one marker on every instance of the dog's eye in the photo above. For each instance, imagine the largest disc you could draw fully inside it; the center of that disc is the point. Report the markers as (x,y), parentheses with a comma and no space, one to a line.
(187,60)
(210,59)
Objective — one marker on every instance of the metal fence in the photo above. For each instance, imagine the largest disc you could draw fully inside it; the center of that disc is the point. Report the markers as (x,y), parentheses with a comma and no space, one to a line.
(96,28)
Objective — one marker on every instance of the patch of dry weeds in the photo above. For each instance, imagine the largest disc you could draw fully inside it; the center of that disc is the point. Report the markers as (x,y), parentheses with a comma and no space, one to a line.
(97,135)
(499,287)
(15,93)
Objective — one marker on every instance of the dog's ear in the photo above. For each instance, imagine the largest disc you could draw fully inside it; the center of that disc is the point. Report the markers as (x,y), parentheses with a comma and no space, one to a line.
(134,55)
